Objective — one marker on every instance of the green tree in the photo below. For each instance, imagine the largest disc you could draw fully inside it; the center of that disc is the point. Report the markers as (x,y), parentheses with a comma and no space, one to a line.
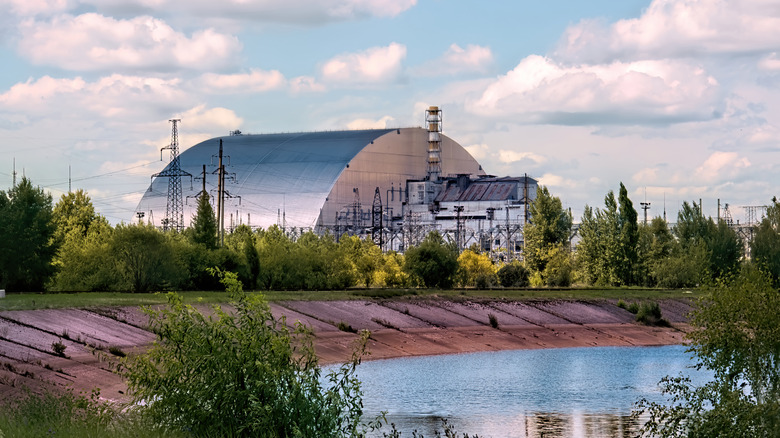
(628,263)
(433,262)
(73,213)
(364,257)
(513,274)
(737,336)
(85,263)
(608,252)
(145,259)
(27,246)
(475,270)
(721,243)
(391,272)
(549,228)
(204,225)
(599,253)
(82,261)
(241,373)
(765,246)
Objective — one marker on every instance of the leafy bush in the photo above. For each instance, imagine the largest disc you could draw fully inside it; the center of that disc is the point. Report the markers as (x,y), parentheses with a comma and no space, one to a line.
(649,313)
(513,275)
(59,348)
(433,262)
(558,271)
(735,336)
(242,373)
(476,270)
(633,308)
(344,327)
(493,320)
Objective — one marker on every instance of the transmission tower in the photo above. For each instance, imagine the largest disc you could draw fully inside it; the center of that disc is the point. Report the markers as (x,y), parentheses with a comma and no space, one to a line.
(174,211)
(376,220)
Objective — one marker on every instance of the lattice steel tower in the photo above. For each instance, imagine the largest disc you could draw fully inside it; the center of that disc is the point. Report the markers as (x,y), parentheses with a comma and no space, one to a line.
(433,123)
(174,210)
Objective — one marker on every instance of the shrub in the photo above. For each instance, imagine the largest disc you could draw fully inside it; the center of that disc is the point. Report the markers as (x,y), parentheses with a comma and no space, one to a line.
(485,281)
(58,348)
(242,373)
(622,304)
(493,320)
(513,275)
(649,313)
(633,308)
(344,327)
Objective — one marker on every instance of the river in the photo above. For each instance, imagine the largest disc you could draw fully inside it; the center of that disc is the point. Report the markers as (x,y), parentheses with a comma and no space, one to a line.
(567,392)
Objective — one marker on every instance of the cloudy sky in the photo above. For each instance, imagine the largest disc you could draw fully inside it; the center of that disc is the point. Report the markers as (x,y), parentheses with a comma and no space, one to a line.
(678,99)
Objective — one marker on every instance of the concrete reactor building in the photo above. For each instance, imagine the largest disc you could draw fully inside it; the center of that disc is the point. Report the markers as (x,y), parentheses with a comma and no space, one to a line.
(391,185)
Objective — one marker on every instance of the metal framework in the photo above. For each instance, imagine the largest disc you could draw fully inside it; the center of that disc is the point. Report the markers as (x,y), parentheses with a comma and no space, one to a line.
(433,124)
(376,220)
(174,211)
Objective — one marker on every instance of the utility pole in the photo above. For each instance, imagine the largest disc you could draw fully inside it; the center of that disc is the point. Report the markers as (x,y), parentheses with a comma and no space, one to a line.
(221,197)
(459,227)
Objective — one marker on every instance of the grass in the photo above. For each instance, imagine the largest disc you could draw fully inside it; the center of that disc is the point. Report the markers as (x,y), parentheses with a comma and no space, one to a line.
(29,301)
(65,414)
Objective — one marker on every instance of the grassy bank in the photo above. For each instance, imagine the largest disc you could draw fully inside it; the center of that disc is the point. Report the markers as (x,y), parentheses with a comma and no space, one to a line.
(30,301)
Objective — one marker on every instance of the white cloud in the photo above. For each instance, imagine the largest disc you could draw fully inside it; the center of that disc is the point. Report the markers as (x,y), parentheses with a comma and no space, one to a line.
(209,120)
(255,81)
(96,42)
(552,180)
(457,60)
(539,90)
(721,166)
(377,65)
(508,156)
(646,175)
(370,124)
(770,62)
(109,97)
(478,151)
(677,28)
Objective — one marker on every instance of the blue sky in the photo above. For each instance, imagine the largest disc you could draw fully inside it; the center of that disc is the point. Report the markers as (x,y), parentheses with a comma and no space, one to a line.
(678,99)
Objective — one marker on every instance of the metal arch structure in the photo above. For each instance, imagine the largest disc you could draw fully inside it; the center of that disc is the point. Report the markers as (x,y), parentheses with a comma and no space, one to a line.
(308,177)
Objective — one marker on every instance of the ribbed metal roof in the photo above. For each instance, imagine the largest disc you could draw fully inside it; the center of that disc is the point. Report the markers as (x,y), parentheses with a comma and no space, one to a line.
(274,173)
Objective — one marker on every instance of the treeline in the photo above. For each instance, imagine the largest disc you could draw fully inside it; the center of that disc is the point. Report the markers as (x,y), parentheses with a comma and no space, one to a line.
(614,249)
(69,247)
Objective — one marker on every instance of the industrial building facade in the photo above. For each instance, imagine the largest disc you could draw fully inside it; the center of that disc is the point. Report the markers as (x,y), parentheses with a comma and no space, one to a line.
(391,185)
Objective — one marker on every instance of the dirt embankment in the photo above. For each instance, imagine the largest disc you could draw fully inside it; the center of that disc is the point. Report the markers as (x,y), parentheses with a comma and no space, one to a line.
(398,328)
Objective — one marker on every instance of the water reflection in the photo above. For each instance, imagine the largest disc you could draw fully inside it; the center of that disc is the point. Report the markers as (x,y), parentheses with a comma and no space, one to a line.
(574,392)
(531,425)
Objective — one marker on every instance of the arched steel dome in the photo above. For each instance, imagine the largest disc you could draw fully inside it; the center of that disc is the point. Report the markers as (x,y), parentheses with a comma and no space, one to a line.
(305,179)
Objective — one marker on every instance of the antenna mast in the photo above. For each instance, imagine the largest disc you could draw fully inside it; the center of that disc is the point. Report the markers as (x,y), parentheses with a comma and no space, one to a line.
(174,211)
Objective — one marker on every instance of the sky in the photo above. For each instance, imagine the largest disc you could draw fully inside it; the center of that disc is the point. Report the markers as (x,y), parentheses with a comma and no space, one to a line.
(677,99)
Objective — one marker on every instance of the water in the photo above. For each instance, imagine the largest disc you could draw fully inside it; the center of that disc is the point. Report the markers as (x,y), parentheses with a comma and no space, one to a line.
(569,392)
